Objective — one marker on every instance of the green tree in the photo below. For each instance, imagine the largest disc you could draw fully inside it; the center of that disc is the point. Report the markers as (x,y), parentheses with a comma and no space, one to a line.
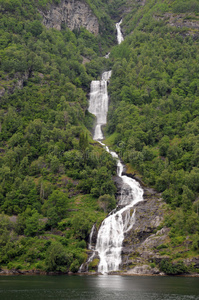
(107,202)
(33,224)
(57,258)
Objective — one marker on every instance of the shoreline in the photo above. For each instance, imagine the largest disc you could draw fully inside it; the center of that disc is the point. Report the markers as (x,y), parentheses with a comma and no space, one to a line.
(14,272)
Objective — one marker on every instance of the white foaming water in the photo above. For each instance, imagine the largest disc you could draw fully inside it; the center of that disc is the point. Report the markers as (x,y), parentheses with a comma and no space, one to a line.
(98,104)
(107,55)
(119,33)
(112,230)
(90,247)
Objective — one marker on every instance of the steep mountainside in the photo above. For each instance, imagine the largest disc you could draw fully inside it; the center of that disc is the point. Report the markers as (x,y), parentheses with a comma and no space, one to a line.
(51,172)
(153,116)
(55,181)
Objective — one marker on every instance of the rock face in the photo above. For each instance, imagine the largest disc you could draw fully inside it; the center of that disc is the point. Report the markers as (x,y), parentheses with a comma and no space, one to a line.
(73,14)
(188,21)
(143,270)
(140,242)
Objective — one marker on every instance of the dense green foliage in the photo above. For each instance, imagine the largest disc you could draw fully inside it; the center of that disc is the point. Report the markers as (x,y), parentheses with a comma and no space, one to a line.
(54,180)
(51,176)
(153,117)
(172,269)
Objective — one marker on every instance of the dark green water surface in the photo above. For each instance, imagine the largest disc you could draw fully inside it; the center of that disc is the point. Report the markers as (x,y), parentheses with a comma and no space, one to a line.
(98,287)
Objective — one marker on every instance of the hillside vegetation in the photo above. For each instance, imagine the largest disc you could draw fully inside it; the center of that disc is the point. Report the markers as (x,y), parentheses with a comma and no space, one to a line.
(154,114)
(55,182)
(51,174)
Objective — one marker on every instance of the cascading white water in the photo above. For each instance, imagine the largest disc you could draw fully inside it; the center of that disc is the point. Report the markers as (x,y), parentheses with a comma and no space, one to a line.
(119,33)
(113,228)
(98,104)
(107,55)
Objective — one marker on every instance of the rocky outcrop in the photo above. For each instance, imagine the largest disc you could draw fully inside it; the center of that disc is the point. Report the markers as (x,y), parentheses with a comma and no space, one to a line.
(140,242)
(192,262)
(9,85)
(188,21)
(143,270)
(71,13)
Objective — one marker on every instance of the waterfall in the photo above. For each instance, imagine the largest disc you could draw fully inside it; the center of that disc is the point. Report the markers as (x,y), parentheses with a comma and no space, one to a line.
(98,104)
(84,266)
(112,230)
(90,247)
(119,33)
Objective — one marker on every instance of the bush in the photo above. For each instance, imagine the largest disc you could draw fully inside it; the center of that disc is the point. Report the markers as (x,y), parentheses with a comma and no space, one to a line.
(18,267)
(74,266)
(195,245)
(186,6)
(10,266)
(107,202)
(162,246)
(81,244)
(93,265)
(152,265)
(172,268)
(57,258)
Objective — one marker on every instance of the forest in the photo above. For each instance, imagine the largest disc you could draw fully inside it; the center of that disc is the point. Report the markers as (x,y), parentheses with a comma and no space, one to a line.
(155,89)
(55,181)
(54,178)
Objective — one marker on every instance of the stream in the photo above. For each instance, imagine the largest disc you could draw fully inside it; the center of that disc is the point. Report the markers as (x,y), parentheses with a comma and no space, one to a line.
(112,230)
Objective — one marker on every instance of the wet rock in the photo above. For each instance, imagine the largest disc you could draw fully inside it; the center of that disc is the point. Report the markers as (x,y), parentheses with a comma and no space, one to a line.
(118,182)
(91,262)
(94,236)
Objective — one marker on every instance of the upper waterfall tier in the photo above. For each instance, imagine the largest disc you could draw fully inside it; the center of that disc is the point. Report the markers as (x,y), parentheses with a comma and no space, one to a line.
(98,104)
(119,33)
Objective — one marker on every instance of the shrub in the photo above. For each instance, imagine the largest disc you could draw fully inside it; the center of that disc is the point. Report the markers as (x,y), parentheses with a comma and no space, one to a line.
(162,246)
(152,265)
(81,244)
(93,265)
(57,258)
(172,268)
(74,267)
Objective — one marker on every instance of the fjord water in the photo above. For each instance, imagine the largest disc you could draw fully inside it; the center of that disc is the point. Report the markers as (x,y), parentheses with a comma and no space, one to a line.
(102,287)
(112,230)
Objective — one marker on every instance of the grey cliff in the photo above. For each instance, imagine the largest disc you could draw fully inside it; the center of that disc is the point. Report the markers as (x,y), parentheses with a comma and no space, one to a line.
(71,13)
